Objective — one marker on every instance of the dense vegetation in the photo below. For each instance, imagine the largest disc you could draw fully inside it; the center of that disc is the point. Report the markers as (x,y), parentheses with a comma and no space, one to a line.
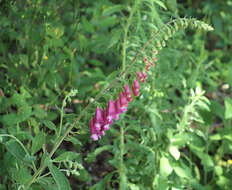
(57,57)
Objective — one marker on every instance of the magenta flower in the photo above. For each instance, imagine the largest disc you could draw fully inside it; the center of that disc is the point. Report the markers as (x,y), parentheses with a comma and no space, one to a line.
(94,133)
(118,109)
(128,93)
(110,111)
(123,102)
(98,119)
(106,125)
(141,77)
(136,87)
(145,75)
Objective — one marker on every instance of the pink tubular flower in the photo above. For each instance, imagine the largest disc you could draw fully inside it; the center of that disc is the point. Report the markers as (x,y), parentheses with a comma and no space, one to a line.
(144,75)
(148,66)
(145,60)
(123,102)
(155,52)
(136,87)
(151,63)
(110,111)
(128,93)
(94,133)
(98,119)
(106,125)
(155,59)
(118,109)
(140,75)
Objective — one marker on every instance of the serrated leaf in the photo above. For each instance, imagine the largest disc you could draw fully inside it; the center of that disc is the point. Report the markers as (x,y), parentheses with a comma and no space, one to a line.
(66,156)
(22,175)
(174,152)
(37,142)
(15,149)
(60,179)
(49,125)
(10,119)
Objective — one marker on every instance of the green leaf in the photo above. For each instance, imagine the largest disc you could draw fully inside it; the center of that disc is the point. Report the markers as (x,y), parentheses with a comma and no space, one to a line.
(22,175)
(174,152)
(116,35)
(207,162)
(112,9)
(180,139)
(49,125)
(37,142)
(182,172)
(66,156)
(228,108)
(165,167)
(216,137)
(15,149)
(39,112)
(10,119)
(60,179)
(160,3)
(133,186)
(97,151)
(218,170)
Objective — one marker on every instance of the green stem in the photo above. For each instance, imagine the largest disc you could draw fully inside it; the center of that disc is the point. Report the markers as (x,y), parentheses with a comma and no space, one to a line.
(124,47)
(121,168)
(62,115)
(100,94)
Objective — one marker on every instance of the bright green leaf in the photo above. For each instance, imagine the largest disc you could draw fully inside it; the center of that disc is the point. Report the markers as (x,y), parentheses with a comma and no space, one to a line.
(228,108)
(174,152)
(165,167)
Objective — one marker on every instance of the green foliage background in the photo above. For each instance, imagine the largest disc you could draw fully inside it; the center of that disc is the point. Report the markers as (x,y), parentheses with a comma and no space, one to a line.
(174,136)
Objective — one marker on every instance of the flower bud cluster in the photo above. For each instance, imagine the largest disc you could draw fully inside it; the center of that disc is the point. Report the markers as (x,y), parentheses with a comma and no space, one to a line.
(104,118)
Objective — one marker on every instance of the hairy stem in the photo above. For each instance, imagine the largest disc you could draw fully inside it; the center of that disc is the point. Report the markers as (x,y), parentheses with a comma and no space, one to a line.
(124,47)
(121,170)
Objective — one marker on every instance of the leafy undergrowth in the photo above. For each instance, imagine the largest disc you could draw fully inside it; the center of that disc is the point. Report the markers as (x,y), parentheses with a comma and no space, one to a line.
(175,135)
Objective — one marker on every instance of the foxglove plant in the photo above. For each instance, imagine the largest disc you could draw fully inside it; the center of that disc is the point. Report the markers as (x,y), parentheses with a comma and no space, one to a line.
(103,119)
